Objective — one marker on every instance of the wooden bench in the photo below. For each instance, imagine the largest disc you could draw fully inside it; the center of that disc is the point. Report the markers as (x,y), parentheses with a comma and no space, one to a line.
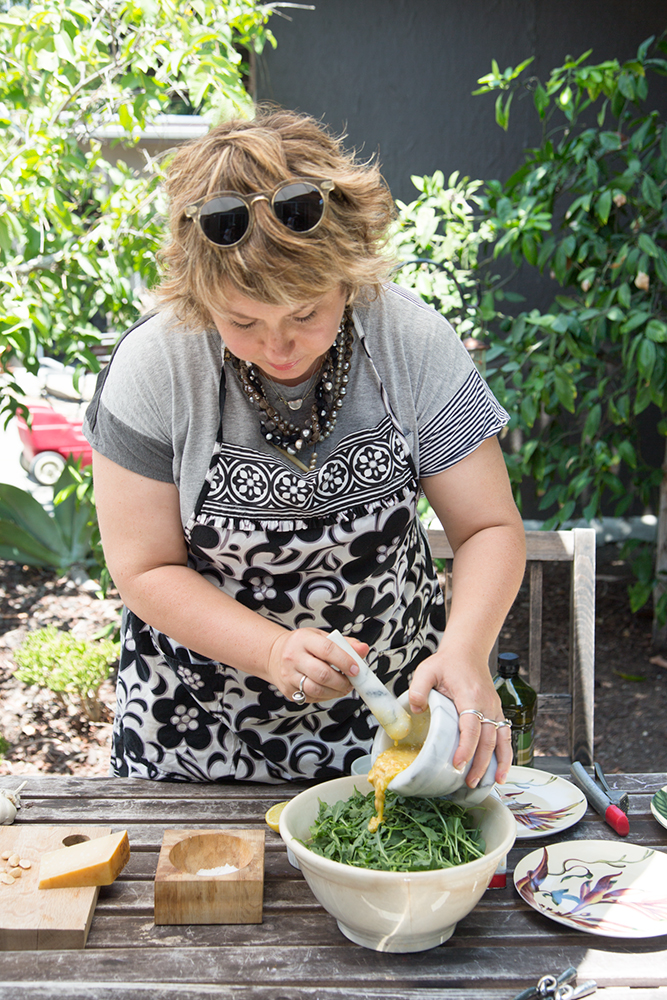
(576,546)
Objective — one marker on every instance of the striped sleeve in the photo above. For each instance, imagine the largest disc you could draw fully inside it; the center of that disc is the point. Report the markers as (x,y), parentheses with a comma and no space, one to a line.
(471,416)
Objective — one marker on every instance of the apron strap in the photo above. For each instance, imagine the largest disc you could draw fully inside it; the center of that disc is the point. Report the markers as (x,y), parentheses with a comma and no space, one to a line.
(206,485)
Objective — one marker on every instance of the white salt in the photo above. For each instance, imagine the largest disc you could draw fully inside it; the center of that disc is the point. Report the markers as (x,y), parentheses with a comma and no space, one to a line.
(222,870)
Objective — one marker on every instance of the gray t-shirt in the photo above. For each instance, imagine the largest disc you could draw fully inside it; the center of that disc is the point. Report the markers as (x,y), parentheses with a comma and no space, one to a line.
(157,407)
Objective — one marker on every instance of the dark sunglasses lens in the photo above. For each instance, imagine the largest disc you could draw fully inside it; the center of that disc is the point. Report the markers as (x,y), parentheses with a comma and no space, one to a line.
(299,207)
(224,221)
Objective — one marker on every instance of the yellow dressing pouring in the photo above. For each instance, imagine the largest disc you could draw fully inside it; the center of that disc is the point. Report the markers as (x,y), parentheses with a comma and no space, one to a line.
(395,759)
(388,764)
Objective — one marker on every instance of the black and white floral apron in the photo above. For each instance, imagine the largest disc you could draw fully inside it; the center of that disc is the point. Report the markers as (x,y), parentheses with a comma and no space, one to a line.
(337,547)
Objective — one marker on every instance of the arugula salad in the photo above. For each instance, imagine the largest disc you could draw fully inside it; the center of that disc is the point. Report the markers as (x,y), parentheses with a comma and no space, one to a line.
(417,834)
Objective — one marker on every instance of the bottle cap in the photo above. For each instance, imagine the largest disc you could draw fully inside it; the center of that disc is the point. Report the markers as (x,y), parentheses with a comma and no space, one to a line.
(508,664)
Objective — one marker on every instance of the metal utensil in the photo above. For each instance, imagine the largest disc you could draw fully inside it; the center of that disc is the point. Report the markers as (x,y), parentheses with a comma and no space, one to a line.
(558,988)
(620,799)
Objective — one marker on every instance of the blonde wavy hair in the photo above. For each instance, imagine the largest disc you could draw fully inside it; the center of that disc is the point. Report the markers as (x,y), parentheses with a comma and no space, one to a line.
(274,265)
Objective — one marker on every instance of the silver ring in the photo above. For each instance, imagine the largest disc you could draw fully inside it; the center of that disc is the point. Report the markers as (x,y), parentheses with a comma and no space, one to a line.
(499,725)
(300,695)
(474,711)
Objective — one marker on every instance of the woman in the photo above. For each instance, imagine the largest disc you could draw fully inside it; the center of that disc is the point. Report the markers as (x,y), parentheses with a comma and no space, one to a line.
(260,444)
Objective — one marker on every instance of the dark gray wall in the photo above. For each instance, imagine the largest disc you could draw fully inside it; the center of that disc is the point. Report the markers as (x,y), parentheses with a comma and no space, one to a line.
(397,75)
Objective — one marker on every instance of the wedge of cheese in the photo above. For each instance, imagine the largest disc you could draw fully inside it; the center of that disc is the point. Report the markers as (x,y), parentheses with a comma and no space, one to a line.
(93,862)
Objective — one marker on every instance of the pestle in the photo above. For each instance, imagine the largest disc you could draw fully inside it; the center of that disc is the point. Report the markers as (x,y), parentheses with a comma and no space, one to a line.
(383,704)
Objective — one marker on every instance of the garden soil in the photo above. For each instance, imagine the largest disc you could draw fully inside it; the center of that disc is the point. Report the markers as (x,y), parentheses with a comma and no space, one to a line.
(43,735)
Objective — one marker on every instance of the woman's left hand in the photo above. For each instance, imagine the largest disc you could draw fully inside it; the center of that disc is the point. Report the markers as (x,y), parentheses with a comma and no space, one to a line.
(469,685)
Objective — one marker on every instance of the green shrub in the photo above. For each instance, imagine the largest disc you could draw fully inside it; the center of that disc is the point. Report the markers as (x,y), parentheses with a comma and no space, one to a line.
(67,666)
(75,490)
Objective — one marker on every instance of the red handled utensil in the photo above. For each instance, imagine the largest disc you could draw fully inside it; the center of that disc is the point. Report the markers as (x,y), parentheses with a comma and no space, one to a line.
(598,798)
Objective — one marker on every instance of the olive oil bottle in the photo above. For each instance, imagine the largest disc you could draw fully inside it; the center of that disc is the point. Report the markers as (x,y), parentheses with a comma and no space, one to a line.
(519,702)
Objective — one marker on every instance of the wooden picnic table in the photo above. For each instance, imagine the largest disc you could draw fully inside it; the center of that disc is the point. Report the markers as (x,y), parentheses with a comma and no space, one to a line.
(297,952)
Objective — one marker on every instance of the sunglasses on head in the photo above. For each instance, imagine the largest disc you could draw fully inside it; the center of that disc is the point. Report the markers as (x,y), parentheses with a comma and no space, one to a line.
(227,217)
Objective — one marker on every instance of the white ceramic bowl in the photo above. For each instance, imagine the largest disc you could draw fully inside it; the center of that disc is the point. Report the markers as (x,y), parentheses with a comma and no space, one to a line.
(362,765)
(393,911)
(433,772)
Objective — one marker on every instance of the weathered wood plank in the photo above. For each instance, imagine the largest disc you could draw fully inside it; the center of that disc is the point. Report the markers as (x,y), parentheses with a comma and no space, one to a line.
(554,703)
(535,628)
(509,925)
(61,786)
(546,546)
(215,991)
(582,646)
(143,863)
(641,965)
(135,898)
(633,783)
(64,787)
(102,810)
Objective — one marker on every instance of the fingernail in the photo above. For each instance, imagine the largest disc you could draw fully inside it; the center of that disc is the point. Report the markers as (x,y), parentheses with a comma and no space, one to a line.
(415,709)
(462,767)
(474,783)
(354,670)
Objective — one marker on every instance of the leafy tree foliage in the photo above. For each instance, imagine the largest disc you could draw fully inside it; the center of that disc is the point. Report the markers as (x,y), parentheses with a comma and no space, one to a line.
(443,240)
(78,235)
(589,208)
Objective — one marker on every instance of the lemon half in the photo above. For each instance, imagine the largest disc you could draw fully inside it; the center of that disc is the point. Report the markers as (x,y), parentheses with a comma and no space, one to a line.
(273,815)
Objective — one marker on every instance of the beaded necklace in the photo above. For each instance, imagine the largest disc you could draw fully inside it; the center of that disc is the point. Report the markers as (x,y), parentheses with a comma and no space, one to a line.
(279,431)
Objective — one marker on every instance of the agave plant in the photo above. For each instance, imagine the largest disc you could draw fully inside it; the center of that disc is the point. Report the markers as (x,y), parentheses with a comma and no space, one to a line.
(29,535)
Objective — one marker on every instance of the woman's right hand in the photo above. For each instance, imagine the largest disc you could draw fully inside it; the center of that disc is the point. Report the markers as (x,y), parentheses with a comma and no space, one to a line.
(306,659)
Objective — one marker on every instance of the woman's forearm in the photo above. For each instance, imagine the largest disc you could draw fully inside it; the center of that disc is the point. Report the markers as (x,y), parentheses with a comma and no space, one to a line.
(180,602)
(486,575)
(474,503)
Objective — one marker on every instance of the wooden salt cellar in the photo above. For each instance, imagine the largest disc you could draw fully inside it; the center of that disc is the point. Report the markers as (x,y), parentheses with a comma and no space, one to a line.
(183,897)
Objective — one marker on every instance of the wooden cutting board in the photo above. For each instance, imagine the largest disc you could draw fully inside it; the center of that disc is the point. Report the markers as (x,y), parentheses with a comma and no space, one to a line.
(41,919)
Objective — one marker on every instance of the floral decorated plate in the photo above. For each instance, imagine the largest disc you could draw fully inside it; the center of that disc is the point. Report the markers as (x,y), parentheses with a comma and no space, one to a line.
(599,886)
(542,803)
(659,806)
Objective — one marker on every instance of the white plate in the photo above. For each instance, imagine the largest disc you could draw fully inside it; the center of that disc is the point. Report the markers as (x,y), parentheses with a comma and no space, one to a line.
(659,806)
(599,886)
(542,803)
